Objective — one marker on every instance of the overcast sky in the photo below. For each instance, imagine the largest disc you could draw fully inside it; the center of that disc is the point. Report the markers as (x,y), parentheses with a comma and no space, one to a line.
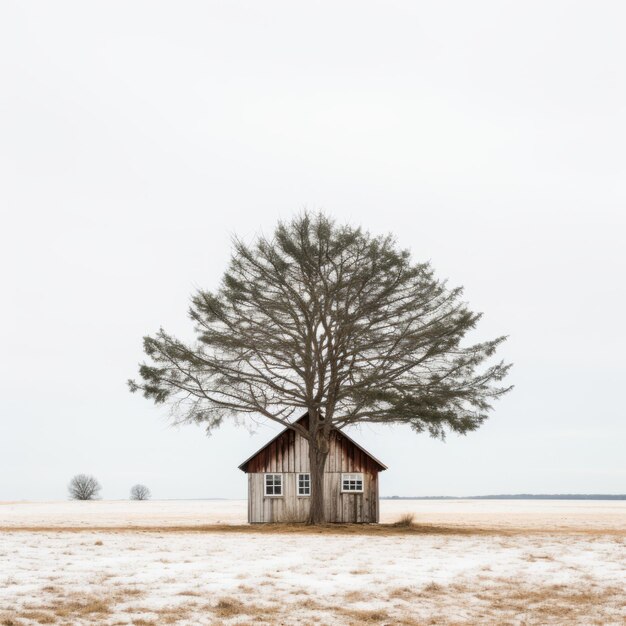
(137,137)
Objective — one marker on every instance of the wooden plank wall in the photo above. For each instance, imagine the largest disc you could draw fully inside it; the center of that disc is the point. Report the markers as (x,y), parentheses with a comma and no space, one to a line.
(289,455)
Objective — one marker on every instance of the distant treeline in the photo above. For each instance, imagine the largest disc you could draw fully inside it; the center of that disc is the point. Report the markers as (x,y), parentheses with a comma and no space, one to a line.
(518,496)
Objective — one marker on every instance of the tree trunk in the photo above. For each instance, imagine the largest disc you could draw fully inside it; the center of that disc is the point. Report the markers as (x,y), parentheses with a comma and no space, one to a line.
(317,460)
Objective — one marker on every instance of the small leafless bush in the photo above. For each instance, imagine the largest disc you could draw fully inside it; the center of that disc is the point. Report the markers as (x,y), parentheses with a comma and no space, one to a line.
(139,492)
(406,520)
(84,487)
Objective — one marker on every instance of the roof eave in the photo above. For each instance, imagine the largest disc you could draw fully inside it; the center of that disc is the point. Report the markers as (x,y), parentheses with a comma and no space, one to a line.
(243,466)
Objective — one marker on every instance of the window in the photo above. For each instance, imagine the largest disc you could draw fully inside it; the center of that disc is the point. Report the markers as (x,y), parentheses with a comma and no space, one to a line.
(273,484)
(304,484)
(352,482)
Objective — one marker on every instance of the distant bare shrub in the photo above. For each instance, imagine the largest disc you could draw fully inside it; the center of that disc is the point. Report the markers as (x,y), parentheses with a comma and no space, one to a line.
(139,492)
(406,520)
(84,487)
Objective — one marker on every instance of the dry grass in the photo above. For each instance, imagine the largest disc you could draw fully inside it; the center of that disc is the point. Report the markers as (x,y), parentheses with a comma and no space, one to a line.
(168,615)
(364,617)
(225,608)
(229,607)
(70,608)
(128,592)
(406,520)
(549,603)
(401,593)
(355,596)
(432,588)
(174,614)
(539,557)
(82,606)
(39,617)
(416,580)
(497,601)
(191,593)
(379,530)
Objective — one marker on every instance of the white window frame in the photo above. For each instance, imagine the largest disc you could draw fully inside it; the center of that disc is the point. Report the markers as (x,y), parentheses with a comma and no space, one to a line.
(303,495)
(352,477)
(282,485)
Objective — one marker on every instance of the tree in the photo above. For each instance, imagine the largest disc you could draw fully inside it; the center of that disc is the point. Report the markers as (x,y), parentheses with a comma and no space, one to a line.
(139,492)
(332,320)
(84,487)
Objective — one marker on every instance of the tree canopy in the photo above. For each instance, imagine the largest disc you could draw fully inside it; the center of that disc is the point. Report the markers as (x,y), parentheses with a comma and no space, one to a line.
(327,317)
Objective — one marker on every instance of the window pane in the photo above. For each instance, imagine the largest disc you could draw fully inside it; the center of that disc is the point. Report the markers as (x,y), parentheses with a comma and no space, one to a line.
(273,484)
(304,488)
(352,482)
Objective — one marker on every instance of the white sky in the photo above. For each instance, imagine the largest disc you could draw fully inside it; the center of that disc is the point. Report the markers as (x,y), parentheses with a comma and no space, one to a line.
(136,137)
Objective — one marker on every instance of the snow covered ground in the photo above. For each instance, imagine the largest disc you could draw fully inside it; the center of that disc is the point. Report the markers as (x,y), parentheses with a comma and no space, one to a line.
(551,514)
(478,562)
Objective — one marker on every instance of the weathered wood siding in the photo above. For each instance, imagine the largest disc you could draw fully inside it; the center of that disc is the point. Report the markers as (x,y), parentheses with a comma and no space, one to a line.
(289,455)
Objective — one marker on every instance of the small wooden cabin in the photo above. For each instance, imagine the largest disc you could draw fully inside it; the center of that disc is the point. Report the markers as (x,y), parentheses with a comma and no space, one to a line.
(279,480)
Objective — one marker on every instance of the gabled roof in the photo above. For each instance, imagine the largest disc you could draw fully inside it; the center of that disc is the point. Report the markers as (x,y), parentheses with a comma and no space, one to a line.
(381,466)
